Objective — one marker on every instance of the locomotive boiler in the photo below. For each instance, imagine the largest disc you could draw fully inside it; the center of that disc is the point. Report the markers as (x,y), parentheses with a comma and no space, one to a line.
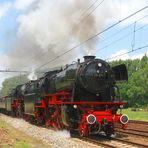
(81,97)
(92,80)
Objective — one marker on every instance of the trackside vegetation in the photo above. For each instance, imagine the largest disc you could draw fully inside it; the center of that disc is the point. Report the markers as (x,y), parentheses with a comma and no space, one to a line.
(140,114)
(135,91)
(13,138)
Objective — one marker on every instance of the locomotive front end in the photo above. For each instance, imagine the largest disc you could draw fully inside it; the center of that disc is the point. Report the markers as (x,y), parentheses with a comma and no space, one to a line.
(97,122)
(96,90)
(94,79)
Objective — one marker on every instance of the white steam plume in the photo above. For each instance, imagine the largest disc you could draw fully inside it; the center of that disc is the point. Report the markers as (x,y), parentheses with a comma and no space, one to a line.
(32,76)
(63,133)
(49,28)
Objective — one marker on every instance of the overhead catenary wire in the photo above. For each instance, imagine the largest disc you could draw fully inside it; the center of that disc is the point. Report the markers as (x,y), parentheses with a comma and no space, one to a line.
(85,11)
(92,10)
(92,37)
(16,71)
(139,48)
(123,37)
(112,35)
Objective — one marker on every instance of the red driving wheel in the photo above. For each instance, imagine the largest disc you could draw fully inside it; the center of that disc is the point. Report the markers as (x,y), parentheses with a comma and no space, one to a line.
(83,130)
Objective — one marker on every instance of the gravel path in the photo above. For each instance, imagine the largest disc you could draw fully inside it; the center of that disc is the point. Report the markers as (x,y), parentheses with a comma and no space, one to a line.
(58,139)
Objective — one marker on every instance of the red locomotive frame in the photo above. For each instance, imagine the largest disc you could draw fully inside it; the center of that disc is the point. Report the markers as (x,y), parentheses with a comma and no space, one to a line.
(42,112)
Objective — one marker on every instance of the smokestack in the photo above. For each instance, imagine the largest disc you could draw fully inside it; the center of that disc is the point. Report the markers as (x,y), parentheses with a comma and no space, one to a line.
(90,57)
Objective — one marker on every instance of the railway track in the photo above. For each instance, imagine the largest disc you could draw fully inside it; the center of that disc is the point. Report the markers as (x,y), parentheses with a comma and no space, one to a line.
(139,122)
(131,143)
(103,141)
(141,134)
(136,131)
(118,142)
(125,138)
(137,128)
(99,143)
(140,131)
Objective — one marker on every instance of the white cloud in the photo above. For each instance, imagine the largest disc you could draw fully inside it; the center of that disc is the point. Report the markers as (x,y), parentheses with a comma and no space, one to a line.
(116,56)
(4,8)
(23,4)
(4,62)
(123,8)
(138,56)
(123,55)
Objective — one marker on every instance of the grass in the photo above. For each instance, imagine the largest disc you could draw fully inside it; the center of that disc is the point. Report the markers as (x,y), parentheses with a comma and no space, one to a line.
(17,139)
(136,115)
(21,144)
(18,144)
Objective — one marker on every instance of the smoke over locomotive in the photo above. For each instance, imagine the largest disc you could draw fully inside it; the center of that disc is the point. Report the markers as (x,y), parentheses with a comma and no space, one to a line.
(82,97)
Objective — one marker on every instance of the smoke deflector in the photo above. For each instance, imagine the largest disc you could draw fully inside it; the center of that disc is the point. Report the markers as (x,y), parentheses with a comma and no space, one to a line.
(120,72)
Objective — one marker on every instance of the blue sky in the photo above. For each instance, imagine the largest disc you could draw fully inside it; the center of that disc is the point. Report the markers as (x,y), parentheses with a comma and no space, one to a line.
(124,40)
(30,27)
(9,27)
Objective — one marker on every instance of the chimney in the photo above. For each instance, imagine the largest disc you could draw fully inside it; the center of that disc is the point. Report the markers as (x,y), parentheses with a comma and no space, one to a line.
(87,58)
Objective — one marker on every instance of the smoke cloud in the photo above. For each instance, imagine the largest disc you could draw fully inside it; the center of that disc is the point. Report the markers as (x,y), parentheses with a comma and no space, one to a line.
(47,29)
(63,133)
(32,76)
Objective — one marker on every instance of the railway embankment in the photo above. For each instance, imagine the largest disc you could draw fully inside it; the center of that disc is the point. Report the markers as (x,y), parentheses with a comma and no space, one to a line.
(14,138)
(16,133)
(55,139)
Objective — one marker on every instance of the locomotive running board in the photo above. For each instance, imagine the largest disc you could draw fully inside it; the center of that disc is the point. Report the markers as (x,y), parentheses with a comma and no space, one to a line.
(90,103)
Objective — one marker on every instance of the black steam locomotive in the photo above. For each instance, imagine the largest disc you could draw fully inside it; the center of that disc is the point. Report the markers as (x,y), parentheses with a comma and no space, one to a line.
(80,97)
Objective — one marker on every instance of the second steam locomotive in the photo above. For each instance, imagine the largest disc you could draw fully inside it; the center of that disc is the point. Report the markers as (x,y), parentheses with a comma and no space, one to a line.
(82,98)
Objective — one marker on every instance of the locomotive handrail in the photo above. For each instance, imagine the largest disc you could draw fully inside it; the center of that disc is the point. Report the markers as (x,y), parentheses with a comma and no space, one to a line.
(56,94)
(90,103)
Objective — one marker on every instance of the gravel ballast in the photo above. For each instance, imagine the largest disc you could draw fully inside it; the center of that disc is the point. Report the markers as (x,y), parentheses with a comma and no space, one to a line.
(58,139)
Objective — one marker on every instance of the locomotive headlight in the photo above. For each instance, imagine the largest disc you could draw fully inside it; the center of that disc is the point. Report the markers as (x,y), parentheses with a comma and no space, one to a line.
(124,119)
(99,64)
(75,106)
(91,119)
(121,106)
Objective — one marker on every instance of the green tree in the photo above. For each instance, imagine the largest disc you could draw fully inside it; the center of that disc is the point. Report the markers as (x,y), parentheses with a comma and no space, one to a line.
(11,83)
(135,91)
